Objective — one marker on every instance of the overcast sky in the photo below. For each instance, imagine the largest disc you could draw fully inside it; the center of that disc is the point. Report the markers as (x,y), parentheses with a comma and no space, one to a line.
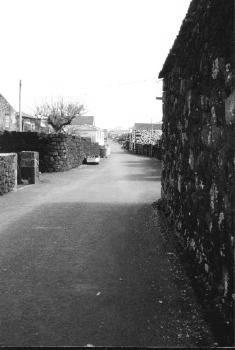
(105,54)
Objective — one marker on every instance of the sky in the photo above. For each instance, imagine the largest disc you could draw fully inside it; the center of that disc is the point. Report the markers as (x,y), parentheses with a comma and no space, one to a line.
(105,54)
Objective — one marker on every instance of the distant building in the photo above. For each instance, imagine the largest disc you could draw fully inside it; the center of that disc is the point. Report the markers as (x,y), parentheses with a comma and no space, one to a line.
(45,127)
(94,133)
(147,126)
(10,121)
(84,120)
(105,135)
(145,134)
(84,126)
(8,117)
(114,133)
(30,123)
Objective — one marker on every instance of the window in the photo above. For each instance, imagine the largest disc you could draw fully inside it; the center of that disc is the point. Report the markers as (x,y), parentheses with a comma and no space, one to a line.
(7,121)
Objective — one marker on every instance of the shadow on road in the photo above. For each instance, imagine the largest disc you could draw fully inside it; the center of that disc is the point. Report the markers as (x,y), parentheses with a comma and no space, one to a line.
(151,170)
(143,177)
(143,162)
(119,152)
(91,273)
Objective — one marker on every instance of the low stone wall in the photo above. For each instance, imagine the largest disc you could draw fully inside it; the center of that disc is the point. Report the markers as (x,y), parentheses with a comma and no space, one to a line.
(57,152)
(28,167)
(60,152)
(89,148)
(8,172)
(145,149)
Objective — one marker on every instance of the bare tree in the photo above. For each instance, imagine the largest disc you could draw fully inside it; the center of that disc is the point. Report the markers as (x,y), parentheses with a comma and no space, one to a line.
(59,113)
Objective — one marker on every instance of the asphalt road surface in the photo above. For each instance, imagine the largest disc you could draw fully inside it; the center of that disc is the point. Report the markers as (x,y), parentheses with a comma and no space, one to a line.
(82,262)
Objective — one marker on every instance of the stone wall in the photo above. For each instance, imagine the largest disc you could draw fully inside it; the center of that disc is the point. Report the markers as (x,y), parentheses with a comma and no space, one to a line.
(148,150)
(8,172)
(28,167)
(57,152)
(144,149)
(198,176)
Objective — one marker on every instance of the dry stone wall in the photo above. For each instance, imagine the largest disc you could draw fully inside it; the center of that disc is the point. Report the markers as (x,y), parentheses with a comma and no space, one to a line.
(144,142)
(57,152)
(148,150)
(198,175)
(28,167)
(8,172)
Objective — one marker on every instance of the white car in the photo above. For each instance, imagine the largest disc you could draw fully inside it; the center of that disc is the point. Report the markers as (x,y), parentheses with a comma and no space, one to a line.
(93,160)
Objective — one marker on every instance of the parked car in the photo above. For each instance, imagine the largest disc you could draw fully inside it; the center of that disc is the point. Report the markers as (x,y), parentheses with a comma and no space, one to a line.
(93,160)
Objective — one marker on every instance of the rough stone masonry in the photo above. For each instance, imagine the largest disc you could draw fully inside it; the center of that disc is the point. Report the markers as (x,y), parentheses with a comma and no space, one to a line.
(57,152)
(8,172)
(198,175)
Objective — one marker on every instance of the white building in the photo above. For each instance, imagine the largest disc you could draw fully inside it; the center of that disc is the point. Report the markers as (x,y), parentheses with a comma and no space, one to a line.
(94,133)
(84,126)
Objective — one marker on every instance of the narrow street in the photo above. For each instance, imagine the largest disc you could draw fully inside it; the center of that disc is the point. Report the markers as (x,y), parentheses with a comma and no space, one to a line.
(82,262)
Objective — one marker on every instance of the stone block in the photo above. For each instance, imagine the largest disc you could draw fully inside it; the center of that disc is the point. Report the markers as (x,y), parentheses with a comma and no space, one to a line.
(8,176)
(230,109)
(29,166)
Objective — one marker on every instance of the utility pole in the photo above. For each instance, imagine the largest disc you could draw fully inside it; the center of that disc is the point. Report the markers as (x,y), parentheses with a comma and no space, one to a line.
(20,113)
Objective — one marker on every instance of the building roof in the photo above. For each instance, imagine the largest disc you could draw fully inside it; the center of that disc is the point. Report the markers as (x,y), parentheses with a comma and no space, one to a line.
(27,116)
(4,102)
(84,120)
(147,126)
(215,18)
